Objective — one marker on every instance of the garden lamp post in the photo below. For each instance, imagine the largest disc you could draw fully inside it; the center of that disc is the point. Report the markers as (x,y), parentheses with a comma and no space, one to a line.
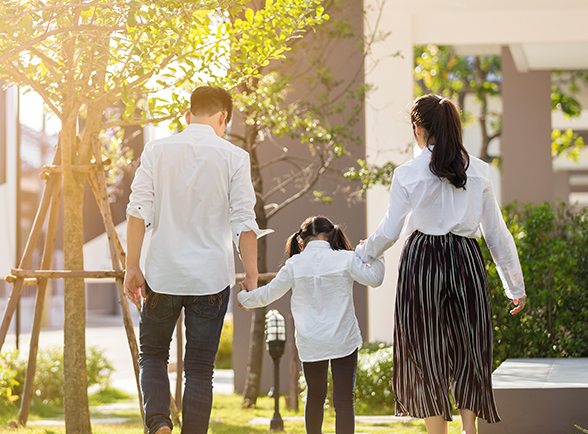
(275,337)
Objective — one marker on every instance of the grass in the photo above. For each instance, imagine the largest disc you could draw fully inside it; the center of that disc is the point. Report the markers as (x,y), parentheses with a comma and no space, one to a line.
(227,417)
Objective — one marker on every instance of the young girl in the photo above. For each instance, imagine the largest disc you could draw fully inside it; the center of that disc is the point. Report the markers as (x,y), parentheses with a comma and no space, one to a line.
(320,270)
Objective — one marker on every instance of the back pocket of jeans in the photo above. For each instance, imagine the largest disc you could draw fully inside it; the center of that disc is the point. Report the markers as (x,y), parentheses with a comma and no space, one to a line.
(158,307)
(208,305)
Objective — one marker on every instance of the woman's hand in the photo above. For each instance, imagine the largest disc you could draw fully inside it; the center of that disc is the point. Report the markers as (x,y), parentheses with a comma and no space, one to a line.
(520,304)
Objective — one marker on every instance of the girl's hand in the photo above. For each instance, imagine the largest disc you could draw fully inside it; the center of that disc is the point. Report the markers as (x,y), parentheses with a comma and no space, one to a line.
(239,304)
(520,304)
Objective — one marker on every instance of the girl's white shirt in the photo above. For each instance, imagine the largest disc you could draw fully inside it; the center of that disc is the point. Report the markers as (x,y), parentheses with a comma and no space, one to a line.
(322,298)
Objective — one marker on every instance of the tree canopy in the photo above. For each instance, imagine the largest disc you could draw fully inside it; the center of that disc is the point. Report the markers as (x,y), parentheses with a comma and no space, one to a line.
(106,64)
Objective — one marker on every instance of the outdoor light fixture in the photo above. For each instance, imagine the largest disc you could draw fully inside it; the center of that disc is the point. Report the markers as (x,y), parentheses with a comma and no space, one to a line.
(275,337)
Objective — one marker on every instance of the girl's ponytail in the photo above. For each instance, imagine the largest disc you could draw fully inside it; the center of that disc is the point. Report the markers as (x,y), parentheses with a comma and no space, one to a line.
(293,244)
(338,240)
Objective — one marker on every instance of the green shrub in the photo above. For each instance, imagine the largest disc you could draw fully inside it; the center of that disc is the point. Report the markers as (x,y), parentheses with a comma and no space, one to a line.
(552,241)
(224,356)
(373,385)
(49,372)
(8,383)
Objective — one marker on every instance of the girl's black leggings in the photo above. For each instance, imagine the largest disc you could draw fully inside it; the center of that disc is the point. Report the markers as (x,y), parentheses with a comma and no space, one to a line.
(315,373)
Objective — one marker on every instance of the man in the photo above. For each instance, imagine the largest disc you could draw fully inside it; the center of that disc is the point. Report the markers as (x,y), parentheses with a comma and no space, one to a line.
(194,191)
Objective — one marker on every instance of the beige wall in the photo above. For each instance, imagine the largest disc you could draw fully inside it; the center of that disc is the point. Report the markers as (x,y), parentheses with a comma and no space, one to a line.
(346,62)
(526,137)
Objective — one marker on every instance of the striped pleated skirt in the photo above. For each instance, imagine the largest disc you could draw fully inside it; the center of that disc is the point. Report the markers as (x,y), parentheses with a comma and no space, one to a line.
(443,330)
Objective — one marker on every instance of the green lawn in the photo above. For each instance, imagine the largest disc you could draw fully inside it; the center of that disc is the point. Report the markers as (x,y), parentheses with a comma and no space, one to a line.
(227,417)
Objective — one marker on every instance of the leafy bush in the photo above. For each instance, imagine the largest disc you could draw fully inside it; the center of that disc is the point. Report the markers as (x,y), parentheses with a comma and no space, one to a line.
(224,356)
(373,386)
(552,241)
(8,380)
(49,372)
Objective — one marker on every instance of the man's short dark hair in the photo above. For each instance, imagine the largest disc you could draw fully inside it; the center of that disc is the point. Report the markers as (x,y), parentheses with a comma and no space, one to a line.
(209,100)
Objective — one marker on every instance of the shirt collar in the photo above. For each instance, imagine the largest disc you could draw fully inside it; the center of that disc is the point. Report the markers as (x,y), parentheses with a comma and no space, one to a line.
(200,128)
(317,244)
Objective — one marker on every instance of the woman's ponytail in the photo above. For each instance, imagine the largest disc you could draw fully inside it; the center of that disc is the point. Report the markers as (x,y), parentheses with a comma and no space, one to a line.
(440,118)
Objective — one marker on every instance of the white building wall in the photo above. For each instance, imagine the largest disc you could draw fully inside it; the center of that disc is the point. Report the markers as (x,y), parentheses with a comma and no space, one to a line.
(388,138)
(8,191)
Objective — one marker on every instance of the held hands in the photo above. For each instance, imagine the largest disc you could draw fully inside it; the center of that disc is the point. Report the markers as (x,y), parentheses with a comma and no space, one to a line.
(520,304)
(135,286)
(243,288)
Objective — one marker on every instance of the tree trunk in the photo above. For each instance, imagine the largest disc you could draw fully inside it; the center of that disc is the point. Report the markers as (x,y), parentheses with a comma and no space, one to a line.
(256,338)
(75,385)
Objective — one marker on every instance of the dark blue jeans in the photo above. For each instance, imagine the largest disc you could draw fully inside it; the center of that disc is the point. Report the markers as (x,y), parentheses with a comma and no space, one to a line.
(344,371)
(204,316)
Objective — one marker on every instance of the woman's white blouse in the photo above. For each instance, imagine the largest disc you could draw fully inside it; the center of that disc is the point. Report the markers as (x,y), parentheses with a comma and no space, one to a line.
(322,298)
(435,207)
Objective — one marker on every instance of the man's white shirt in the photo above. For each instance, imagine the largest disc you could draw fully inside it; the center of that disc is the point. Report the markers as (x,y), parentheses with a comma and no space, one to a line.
(194,191)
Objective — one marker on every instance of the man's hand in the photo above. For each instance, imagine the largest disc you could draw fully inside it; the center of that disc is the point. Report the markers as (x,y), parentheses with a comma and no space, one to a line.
(520,304)
(249,284)
(135,286)
(239,304)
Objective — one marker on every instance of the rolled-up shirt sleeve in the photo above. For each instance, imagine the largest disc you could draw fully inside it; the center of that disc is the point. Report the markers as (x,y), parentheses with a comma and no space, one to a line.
(390,227)
(142,199)
(502,247)
(242,203)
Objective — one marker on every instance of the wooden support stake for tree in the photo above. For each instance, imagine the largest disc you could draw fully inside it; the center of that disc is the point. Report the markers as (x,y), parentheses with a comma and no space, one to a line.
(76,168)
(27,256)
(27,395)
(61,274)
(98,185)
(29,281)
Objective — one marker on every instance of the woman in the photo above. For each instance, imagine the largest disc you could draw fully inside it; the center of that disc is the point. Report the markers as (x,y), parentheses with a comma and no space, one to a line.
(443,331)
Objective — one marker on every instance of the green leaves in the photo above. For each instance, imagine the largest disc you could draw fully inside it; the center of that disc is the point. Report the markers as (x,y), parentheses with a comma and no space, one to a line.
(145,47)
(566,143)
(552,240)
(371,174)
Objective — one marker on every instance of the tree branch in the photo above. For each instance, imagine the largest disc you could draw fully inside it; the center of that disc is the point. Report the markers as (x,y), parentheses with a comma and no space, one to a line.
(145,121)
(7,55)
(286,182)
(60,6)
(35,86)
(303,190)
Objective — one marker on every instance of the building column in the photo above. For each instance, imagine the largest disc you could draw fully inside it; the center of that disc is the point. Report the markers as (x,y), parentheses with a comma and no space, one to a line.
(527,172)
(388,137)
